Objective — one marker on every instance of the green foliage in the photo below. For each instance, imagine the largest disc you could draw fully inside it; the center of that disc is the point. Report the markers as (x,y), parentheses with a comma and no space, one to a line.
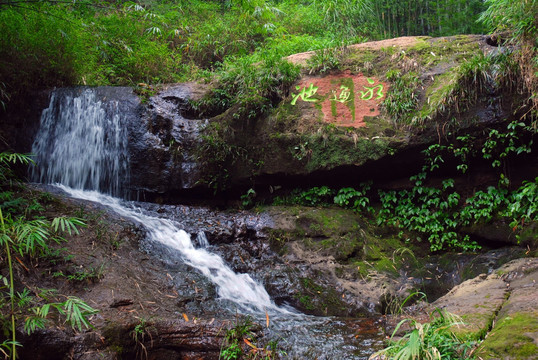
(6,160)
(518,17)
(428,211)
(354,199)
(348,15)
(437,214)
(433,340)
(325,59)
(500,144)
(51,43)
(316,196)
(232,347)
(90,274)
(247,200)
(36,49)
(24,235)
(240,343)
(483,206)
(522,204)
(75,311)
(250,87)
(138,334)
(68,225)
(428,17)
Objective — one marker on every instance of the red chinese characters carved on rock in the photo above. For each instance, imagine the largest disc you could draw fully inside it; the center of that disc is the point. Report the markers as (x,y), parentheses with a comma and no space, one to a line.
(344,99)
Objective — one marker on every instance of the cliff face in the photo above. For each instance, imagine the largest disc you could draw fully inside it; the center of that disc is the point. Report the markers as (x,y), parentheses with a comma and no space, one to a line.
(363,112)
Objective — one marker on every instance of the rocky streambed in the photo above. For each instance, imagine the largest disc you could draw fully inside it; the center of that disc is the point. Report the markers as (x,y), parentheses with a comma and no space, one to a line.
(151,302)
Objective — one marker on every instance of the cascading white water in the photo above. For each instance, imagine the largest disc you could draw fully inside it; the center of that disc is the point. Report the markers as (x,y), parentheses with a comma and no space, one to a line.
(201,239)
(239,288)
(82,143)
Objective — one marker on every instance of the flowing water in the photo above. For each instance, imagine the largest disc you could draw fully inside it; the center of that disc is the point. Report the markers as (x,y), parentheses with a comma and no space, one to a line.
(82,143)
(82,147)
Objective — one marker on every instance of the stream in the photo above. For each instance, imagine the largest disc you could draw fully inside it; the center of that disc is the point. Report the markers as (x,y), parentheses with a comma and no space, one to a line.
(81,148)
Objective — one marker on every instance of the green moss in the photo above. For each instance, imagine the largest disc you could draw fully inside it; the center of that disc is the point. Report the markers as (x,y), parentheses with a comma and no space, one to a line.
(116,349)
(446,50)
(512,337)
(386,265)
(306,301)
(476,326)
(320,300)
(310,285)
(438,94)
(327,152)
(362,268)
(334,231)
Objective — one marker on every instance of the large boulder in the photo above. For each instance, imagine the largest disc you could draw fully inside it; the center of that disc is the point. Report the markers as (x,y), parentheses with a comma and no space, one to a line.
(368,117)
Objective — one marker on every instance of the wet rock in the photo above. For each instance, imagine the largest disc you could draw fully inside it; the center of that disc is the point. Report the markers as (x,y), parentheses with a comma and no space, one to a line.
(59,344)
(495,232)
(162,143)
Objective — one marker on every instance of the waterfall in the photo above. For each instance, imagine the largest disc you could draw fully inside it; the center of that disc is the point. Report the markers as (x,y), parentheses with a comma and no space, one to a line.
(82,143)
(82,147)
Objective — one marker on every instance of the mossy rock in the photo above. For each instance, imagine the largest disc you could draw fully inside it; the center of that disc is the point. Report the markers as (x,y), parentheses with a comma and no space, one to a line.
(513,337)
(297,139)
(346,236)
(316,299)
(330,231)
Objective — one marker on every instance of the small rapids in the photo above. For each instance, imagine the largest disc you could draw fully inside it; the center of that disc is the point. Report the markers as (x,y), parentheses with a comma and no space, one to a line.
(239,288)
(301,336)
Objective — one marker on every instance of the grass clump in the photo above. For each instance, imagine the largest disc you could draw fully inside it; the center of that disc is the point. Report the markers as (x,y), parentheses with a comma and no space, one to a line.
(249,87)
(518,17)
(458,89)
(402,97)
(433,340)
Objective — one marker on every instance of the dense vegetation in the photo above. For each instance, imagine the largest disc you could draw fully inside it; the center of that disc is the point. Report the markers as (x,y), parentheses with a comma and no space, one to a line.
(51,43)
(240,45)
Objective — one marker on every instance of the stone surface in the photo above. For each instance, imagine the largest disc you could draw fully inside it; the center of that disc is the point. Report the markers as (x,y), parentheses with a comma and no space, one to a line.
(515,331)
(162,142)
(500,308)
